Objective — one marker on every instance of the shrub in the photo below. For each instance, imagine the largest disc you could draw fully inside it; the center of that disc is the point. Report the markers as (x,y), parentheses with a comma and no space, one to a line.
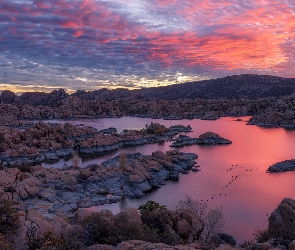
(36,241)
(149,206)
(124,229)
(25,168)
(214,221)
(99,229)
(197,207)
(9,219)
(102,228)
(4,243)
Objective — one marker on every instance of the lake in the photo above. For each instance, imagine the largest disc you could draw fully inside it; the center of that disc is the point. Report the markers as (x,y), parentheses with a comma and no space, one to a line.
(232,176)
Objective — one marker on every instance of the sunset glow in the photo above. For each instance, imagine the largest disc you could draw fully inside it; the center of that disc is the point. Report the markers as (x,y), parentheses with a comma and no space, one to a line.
(90,44)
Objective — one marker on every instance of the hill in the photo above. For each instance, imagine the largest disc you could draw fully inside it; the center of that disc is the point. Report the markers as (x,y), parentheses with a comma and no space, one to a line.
(238,86)
(231,87)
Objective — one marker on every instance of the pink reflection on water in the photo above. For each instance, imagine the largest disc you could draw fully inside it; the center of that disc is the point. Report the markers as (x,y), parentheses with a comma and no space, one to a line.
(245,200)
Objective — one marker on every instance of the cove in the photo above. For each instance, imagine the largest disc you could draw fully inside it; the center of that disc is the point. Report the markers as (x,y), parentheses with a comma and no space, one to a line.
(233,175)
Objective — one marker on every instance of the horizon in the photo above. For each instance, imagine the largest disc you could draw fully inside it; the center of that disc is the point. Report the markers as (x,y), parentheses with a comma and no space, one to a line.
(92,44)
(24,89)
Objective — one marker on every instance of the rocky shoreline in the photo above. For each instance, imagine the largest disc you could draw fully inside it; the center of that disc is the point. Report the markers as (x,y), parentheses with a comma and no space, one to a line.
(49,142)
(52,191)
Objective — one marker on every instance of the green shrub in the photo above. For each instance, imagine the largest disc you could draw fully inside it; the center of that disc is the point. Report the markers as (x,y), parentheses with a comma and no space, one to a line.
(150,206)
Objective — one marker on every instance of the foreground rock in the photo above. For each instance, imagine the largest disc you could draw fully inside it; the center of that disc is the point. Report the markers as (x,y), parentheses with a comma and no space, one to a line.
(288,165)
(53,191)
(208,138)
(141,245)
(281,227)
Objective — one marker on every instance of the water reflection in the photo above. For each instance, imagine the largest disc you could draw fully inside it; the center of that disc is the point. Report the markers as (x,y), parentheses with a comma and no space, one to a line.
(248,199)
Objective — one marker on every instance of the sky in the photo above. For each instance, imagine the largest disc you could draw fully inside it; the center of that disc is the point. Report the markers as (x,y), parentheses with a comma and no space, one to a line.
(93,44)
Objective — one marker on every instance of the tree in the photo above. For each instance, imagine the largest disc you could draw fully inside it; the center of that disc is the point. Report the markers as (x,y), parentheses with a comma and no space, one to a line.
(9,219)
(123,163)
(75,159)
(197,207)
(213,220)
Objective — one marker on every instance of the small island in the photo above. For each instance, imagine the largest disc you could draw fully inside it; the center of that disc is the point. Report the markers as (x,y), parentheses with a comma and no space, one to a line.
(287,165)
(208,138)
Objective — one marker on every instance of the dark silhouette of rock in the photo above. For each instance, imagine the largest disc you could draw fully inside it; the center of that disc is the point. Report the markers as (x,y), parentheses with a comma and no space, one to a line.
(7,97)
(288,165)
(208,138)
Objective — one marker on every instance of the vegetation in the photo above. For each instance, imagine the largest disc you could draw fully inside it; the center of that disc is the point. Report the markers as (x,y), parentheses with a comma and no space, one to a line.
(47,241)
(150,205)
(213,219)
(9,219)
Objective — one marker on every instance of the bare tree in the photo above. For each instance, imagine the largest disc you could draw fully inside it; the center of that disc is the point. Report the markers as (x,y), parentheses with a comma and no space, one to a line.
(75,159)
(213,219)
(123,163)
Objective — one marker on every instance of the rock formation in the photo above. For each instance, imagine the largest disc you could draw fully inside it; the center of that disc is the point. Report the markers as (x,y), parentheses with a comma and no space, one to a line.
(208,138)
(64,191)
(288,165)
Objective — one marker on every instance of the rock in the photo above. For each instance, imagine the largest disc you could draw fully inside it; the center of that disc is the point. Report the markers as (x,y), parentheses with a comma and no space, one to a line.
(181,128)
(38,219)
(81,214)
(130,214)
(101,247)
(225,247)
(184,140)
(288,165)
(262,246)
(212,138)
(282,220)
(292,245)
(228,239)
(184,228)
(206,138)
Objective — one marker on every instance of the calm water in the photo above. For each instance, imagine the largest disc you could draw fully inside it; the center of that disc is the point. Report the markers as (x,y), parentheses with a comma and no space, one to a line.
(248,200)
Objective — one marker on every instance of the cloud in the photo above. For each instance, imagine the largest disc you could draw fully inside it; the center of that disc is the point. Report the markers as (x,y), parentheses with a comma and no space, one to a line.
(100,43)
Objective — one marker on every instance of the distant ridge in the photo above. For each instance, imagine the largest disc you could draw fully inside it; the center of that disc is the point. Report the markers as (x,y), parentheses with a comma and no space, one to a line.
(238,86)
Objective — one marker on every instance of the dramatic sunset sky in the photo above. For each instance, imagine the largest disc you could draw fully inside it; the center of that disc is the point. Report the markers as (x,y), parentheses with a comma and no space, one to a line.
(90,44)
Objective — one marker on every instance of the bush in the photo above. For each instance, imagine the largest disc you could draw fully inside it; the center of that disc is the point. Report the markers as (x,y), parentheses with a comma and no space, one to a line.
(213,223)
(124,229)
(4,243)
(99,229)
(36,241)
(197,207)
(9,219)
(150,206)
(157,220)
(103,229)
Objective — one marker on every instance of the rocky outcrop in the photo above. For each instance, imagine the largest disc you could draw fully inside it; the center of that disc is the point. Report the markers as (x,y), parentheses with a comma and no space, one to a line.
(274,119)
(208,138)
(282,221)
(140,245)
(181,128)
(288,165)
(49,142)
(212,138)
(65,190)
(223,238)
